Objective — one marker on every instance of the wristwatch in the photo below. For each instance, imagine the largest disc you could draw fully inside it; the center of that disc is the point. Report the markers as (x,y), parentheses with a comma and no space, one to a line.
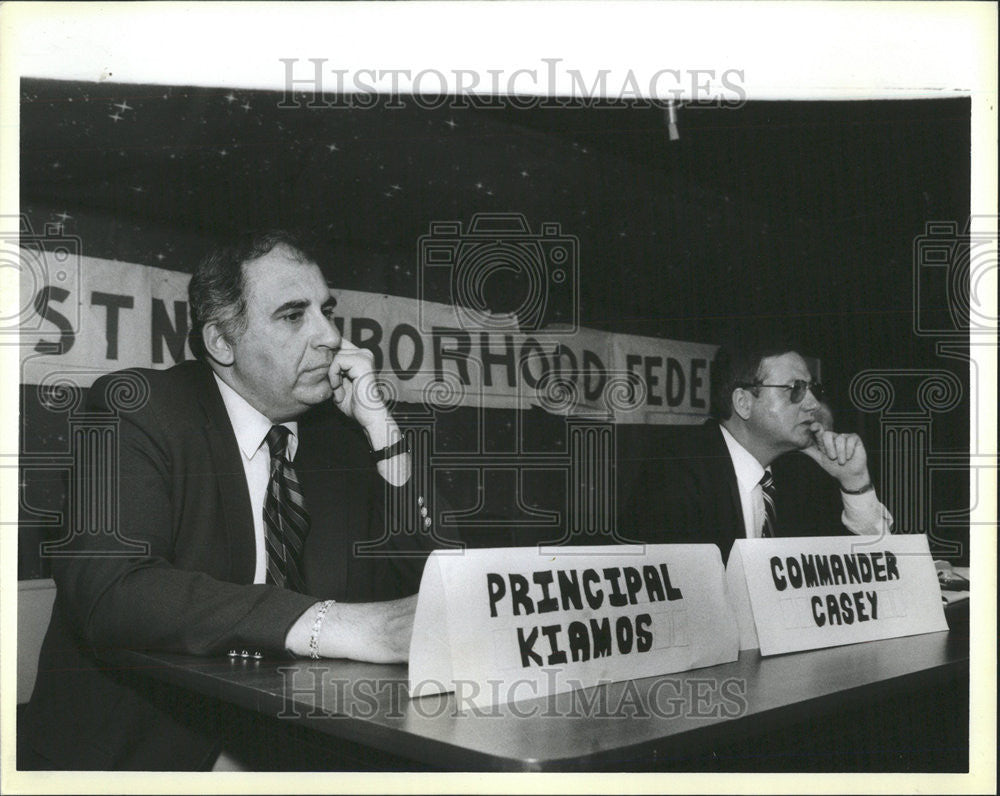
(398,447)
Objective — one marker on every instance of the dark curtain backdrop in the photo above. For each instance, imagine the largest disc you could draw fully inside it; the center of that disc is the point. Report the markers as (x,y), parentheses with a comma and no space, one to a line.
(796,218)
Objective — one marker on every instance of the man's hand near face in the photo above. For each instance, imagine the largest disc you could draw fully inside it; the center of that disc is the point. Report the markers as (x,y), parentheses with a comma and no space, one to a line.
(378,632)
(842,456)
(356,393)
(355,388)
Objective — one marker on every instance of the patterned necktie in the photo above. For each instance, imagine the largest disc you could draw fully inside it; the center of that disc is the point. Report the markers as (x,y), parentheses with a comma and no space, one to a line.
(286,522)
(767,490)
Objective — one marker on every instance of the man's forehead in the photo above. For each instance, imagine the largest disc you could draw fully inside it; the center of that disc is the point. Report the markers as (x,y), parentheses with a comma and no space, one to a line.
(786,367)
(281,275)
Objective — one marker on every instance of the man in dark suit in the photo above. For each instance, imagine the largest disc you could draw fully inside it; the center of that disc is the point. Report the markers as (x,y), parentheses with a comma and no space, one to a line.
(713,483)
(247,478)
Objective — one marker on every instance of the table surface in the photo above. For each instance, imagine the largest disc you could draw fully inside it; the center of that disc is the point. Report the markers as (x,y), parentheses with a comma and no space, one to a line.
(649,718)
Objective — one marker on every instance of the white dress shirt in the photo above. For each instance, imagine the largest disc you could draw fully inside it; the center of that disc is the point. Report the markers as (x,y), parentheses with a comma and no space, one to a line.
(251,429)
(863,514)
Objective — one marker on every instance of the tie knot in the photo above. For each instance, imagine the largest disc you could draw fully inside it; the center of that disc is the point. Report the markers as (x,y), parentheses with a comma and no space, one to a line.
(767,482)
(277,441)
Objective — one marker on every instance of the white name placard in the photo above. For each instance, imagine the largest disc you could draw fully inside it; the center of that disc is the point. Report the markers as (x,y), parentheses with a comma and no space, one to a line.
(509,624)
(806,593)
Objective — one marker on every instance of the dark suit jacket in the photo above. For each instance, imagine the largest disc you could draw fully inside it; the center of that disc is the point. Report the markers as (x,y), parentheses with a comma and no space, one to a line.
(182,492)
(685,490)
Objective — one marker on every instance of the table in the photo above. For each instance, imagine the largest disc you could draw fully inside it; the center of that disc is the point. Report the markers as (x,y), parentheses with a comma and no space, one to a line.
(884,705)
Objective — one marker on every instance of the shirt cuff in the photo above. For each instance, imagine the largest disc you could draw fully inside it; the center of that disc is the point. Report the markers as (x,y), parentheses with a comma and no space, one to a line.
(863,514)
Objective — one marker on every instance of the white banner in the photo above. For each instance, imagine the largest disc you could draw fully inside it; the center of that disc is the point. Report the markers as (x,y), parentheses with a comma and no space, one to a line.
(84,316)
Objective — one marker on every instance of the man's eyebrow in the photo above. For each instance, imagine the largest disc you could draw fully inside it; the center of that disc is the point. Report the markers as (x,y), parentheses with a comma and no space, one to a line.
(329,304)
(296,304)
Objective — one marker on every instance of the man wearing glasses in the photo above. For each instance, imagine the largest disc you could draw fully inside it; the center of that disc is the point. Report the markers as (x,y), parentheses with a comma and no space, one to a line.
(713,483)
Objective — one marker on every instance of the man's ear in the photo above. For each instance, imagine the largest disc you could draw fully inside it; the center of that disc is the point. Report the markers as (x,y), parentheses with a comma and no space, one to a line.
(742,402)
(216,344)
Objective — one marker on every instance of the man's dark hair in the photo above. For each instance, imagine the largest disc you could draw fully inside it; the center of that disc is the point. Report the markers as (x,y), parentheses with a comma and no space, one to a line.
(217,291)
(736,365)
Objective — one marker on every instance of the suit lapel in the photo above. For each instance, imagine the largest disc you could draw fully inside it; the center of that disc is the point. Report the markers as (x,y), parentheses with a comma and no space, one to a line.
(732,508)
(230,478)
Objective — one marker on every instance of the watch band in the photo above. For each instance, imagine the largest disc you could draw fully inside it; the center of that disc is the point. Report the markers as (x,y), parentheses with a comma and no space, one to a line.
(398,447)
(866,488)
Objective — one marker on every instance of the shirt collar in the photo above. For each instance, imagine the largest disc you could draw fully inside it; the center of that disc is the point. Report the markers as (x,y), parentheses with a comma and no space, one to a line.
(748,469)
(251,426)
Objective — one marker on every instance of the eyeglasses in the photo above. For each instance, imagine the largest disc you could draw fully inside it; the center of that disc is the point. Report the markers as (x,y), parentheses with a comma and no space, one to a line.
(797,389)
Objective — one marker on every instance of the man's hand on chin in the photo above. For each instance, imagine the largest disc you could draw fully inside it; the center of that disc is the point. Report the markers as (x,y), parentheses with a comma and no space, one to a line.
(356,393)
(355,387)
(843,456)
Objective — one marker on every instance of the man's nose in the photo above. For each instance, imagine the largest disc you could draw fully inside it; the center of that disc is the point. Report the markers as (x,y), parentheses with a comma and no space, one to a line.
(326,334)
(809,403)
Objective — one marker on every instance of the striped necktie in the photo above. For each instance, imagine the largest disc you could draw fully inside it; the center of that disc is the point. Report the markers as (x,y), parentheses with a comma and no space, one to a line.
(286,522)
(767,490)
